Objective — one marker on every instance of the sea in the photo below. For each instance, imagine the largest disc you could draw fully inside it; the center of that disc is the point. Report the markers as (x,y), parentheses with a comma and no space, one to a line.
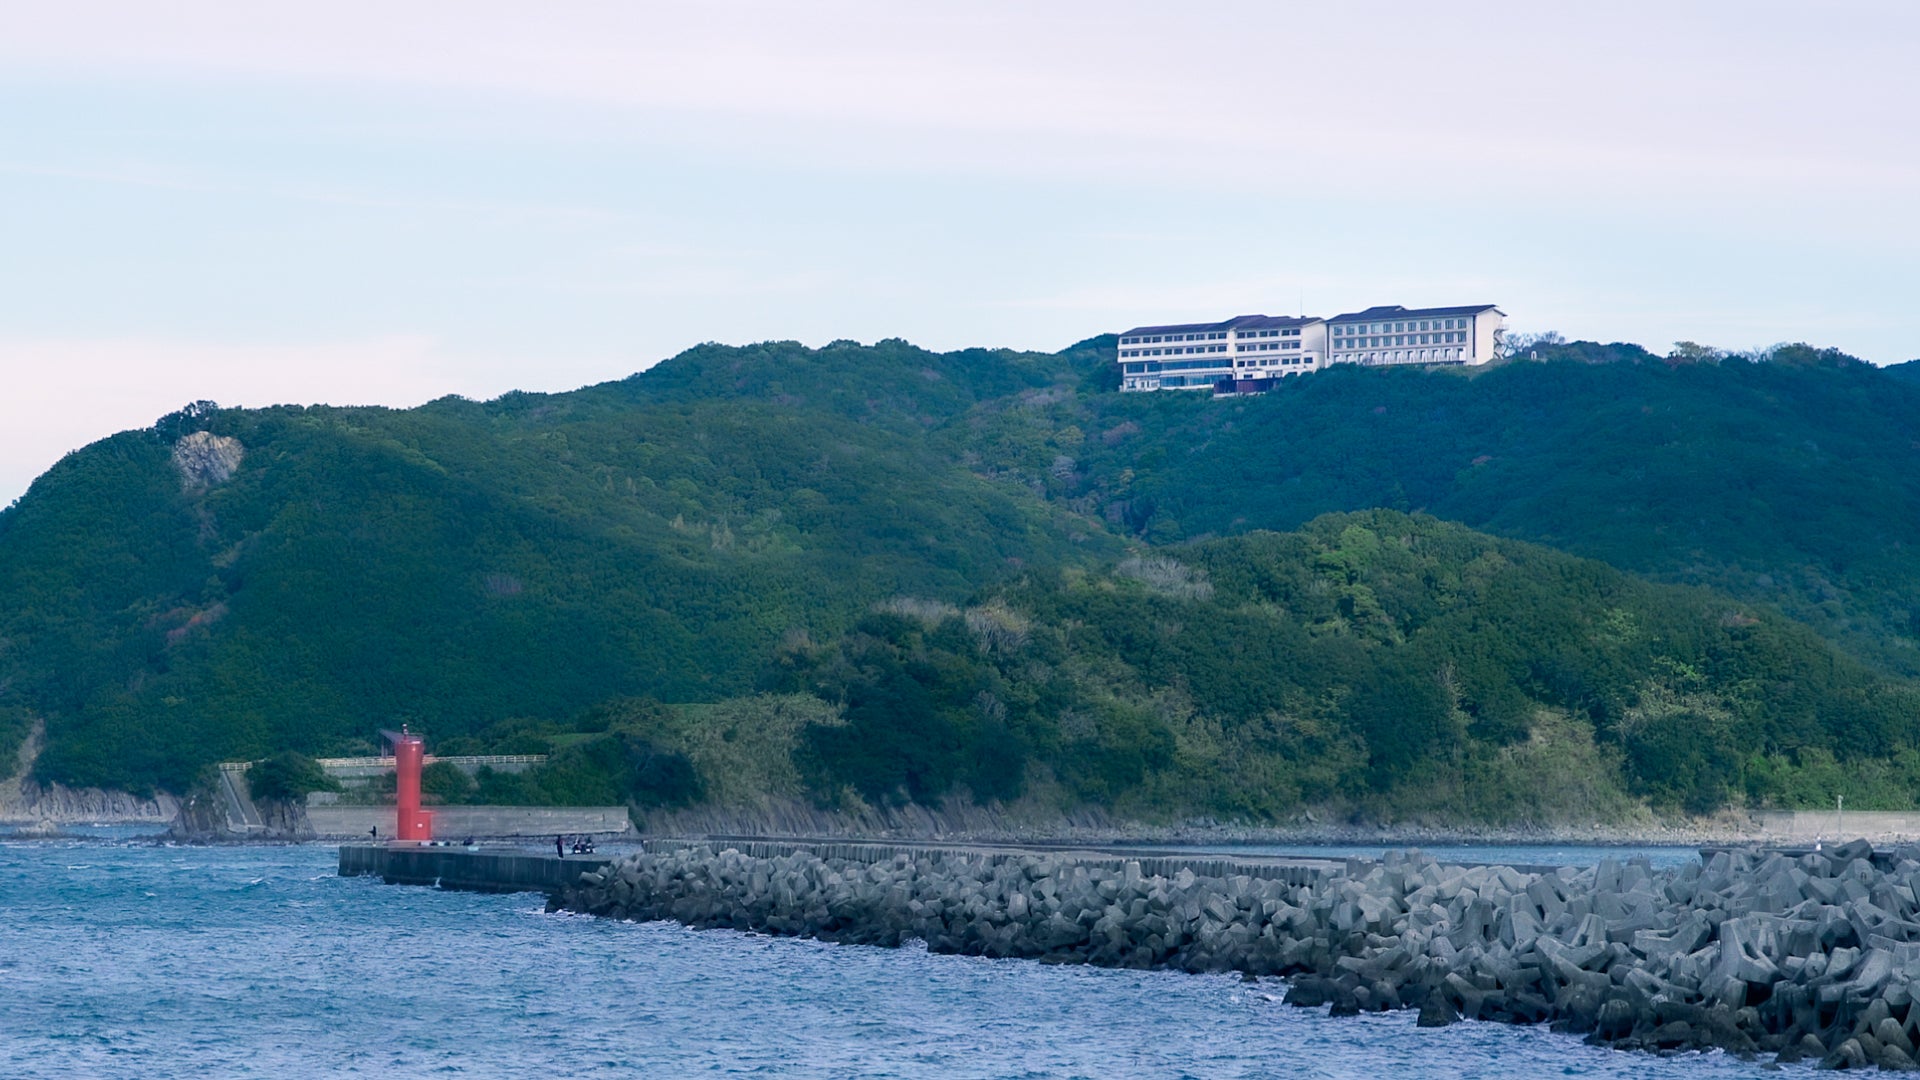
(123,957)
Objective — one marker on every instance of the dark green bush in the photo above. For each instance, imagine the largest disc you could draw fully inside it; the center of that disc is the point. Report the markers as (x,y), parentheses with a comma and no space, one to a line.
(288,777)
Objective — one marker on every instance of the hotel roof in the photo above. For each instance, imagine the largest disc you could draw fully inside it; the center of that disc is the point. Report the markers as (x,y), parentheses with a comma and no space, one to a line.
(1238,322)
(1395,311)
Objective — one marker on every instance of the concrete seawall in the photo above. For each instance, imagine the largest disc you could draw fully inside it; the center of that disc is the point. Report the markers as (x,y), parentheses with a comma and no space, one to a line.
(471,871)
(1291,870)
(1880,826)
(456,822)
(532,871)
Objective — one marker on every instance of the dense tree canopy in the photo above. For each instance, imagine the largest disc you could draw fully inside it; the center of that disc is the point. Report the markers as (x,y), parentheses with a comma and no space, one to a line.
(985,572)
(1378,660)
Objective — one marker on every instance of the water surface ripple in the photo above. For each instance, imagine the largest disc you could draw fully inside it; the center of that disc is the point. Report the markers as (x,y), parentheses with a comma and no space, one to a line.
(123,959)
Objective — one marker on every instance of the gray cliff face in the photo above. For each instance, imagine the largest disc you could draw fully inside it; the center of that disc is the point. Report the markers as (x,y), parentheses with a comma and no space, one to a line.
(202,819)
(285,820)
(227,811)
(206,460)
(205,819)
(25,801)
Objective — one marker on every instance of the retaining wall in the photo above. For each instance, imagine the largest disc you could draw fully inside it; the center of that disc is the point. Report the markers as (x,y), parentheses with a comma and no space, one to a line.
(472,871)
(456,822)
(1877,825)
(1284,869)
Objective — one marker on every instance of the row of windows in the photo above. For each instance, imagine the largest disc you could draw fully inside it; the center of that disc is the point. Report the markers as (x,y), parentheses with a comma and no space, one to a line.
(1174,351)
(1395,340)
(1195,382)
(1262,346)
(1411,356)
(1404,327)
(1149,366)
(1214,335)
(1272,361)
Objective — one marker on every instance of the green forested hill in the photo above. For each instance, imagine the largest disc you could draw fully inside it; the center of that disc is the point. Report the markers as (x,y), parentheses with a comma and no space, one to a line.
(1396,663)
(460,564)
(535,570)
(1794,482)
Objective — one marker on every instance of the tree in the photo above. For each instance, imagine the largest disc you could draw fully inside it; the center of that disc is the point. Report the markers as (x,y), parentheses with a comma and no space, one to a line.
(288,777)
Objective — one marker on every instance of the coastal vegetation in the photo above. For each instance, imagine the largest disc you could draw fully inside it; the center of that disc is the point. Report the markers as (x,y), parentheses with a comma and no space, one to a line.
(1562,588)
(1392,664)
(288,776)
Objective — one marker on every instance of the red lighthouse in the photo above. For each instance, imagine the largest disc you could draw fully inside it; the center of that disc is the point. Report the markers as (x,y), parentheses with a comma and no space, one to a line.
(408,753)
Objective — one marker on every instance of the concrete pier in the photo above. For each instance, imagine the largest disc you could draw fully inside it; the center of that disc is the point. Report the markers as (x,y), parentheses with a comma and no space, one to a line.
(487,822)
(471,870)
(1287,869)
(497,870)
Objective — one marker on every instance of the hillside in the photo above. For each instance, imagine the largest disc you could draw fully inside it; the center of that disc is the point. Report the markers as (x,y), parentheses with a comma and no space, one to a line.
(1793,482)
(460,564)
(1397,664)
(544,571)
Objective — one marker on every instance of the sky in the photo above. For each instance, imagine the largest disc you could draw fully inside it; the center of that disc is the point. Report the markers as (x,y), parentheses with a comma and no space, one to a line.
(383,203)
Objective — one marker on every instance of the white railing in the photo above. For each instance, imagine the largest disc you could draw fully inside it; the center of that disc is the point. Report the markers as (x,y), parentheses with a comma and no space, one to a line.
(474,760)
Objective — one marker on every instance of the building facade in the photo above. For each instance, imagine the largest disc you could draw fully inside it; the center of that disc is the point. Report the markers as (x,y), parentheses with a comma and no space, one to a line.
(1254,350)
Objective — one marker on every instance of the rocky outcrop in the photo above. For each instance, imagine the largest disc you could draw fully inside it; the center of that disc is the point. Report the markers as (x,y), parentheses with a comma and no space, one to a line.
(285,819)
(206,460)
(1810,956)
(203,819)
(26,801)
(224,810)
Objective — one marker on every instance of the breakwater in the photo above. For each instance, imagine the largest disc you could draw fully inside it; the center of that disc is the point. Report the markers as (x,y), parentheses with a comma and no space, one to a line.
(1808,956)
(459,868)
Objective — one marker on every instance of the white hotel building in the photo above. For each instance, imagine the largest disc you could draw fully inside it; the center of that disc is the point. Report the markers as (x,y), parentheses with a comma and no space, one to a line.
(1252,350)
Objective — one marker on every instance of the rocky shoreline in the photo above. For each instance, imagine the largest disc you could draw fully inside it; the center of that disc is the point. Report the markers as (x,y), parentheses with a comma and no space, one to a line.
(1808,957)
(42,809)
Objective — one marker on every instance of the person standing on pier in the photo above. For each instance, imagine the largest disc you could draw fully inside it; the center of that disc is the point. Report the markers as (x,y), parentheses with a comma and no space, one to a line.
(558,849)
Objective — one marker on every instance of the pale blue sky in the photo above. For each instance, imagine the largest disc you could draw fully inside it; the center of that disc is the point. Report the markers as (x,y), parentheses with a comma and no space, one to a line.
(361,202)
